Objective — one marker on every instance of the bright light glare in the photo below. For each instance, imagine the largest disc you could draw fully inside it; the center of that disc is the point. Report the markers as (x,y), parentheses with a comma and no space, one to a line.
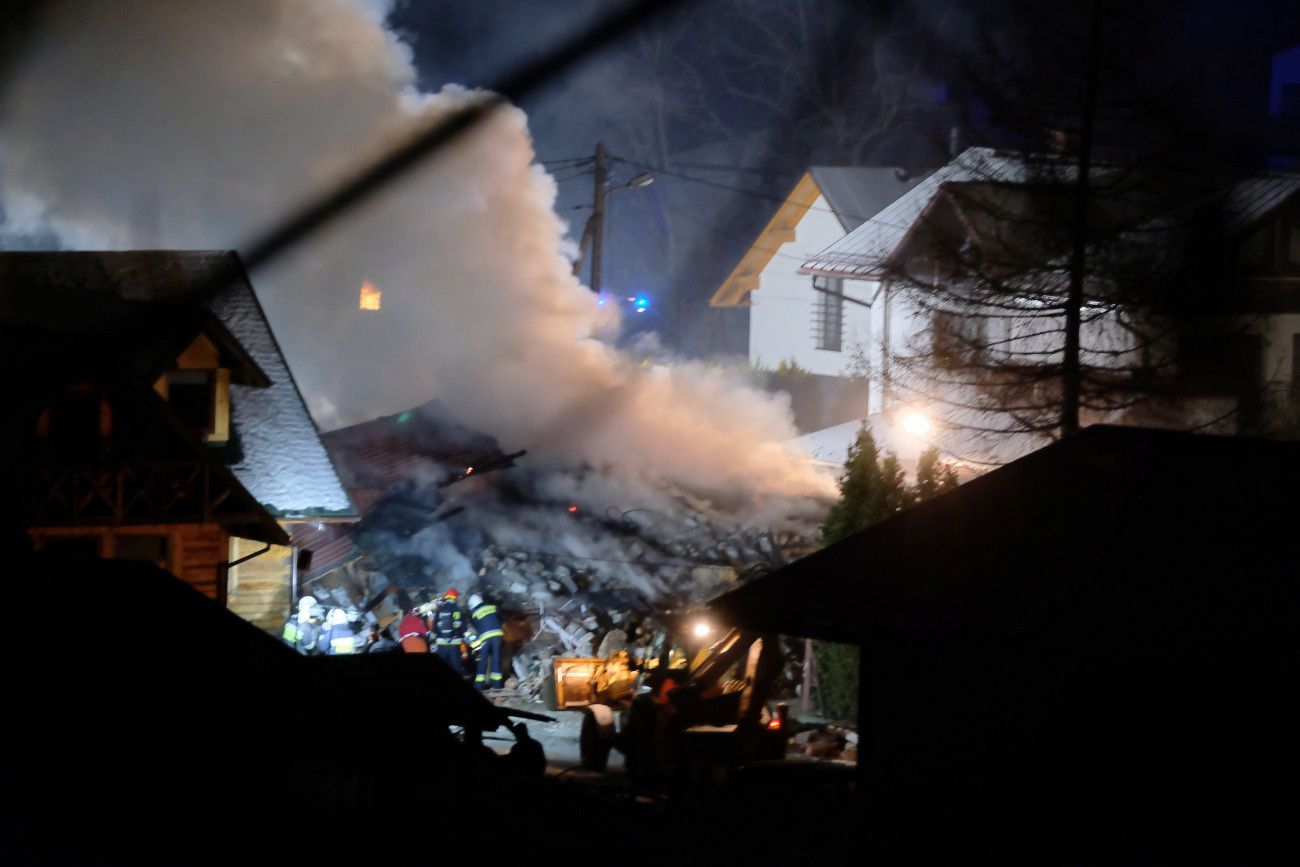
(640,310)
(641,302)
(600,303)
(701,629)
(916,424)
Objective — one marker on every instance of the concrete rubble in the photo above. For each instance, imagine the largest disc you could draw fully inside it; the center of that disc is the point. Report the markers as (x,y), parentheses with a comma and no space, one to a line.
(574,558)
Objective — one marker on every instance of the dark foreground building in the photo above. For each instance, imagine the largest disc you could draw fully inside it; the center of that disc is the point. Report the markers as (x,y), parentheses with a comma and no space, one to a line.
(1089,654)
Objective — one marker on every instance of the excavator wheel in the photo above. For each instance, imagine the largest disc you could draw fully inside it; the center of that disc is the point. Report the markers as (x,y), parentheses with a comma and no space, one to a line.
(597,737)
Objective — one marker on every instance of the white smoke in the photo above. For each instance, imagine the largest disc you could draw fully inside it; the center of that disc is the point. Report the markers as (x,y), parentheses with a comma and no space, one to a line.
(137,124)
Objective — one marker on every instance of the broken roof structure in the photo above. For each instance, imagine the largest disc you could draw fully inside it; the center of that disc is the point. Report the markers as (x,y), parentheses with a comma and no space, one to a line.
(280,459)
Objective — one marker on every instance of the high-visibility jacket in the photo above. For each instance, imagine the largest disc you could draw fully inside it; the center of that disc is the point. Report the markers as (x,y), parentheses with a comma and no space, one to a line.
(448,628)
(340,640)
(486,622)
(301,635)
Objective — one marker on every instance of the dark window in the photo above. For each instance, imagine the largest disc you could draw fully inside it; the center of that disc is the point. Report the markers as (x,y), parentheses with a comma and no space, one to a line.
(828,313)
(80,548)
(1220,364)
(1291,241)
(190,394)
(956,336)
(142,547)
(1255,255)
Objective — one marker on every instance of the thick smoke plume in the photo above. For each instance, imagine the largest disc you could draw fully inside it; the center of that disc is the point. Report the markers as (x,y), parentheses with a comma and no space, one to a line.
(140,124)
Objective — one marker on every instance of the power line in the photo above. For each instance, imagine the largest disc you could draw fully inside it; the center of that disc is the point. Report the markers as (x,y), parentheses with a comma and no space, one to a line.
(756,193)
(720,231)
(565,160)
(577,174)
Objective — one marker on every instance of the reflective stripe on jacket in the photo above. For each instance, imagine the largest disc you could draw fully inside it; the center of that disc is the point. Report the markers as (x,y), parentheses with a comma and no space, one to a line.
(448,627)
(486,622)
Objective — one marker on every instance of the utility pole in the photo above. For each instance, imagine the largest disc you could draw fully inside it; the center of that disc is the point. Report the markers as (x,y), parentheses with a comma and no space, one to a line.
(594,232)
(598,214)
(593,235)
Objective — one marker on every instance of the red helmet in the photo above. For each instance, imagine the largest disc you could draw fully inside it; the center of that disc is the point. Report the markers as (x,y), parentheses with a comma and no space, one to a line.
(451,593)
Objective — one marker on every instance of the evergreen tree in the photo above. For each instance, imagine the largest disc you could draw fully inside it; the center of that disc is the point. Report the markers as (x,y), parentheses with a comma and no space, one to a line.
(872,489)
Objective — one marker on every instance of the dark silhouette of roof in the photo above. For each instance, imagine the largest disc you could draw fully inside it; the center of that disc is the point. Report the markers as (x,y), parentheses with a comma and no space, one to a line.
(281,460)
(1109,523)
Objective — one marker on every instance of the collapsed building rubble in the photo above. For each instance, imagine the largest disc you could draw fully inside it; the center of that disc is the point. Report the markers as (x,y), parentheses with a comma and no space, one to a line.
(574,557)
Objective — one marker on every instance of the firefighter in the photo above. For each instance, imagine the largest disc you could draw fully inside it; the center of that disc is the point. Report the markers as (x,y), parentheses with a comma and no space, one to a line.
(449,631)
(486,624)
(302,631)
(341,640)
(413,633)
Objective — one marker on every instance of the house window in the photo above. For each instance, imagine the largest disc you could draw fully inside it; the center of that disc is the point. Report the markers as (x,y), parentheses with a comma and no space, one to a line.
(828,313)
(141,546)
(956,337)
(201,397)
(190,394)
(1220,364)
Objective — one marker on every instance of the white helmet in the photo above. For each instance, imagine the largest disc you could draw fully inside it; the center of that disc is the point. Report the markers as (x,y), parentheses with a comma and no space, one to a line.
(306,602)
(475,601)
(338,616)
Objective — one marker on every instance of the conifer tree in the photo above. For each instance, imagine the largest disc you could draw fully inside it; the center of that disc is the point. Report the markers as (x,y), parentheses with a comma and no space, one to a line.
(872,489)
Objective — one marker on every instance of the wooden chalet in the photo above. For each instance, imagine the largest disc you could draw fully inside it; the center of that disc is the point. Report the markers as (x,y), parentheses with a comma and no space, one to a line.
(152,417)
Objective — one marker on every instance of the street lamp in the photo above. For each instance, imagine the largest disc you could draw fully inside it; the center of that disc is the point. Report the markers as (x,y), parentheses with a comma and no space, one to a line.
(916,424)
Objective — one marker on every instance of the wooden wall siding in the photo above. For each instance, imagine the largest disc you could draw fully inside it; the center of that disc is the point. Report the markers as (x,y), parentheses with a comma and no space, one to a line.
(194,550)
(259,589)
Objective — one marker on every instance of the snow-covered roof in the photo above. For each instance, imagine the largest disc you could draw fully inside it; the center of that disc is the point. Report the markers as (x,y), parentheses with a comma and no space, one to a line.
(862,252)
(855,194)
(282,461)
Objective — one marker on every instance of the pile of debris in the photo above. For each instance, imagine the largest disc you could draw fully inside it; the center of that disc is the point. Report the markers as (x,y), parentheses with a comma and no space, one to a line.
(573,557)
(834,741)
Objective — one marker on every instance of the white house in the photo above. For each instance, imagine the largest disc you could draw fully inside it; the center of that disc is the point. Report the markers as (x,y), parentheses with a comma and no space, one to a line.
(809,319)
(1232,328)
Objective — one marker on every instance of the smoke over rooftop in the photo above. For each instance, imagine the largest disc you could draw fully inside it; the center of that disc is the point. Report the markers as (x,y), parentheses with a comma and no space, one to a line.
(162,125)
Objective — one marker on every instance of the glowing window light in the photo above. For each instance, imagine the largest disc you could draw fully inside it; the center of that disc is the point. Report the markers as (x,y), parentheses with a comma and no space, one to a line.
(369,296)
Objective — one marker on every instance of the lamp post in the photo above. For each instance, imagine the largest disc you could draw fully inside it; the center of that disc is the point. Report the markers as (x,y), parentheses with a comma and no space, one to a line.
(594,233)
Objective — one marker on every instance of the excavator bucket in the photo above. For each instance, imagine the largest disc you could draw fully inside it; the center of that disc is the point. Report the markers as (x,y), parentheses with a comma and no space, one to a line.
(577,682)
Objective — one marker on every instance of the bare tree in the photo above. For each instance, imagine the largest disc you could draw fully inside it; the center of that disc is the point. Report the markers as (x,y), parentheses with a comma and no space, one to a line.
(1037,282)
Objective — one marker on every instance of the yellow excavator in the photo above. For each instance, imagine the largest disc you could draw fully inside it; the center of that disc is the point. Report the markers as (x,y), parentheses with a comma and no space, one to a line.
(691,710)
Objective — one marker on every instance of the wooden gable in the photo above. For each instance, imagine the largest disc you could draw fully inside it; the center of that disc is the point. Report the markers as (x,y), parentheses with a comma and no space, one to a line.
(735,290)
